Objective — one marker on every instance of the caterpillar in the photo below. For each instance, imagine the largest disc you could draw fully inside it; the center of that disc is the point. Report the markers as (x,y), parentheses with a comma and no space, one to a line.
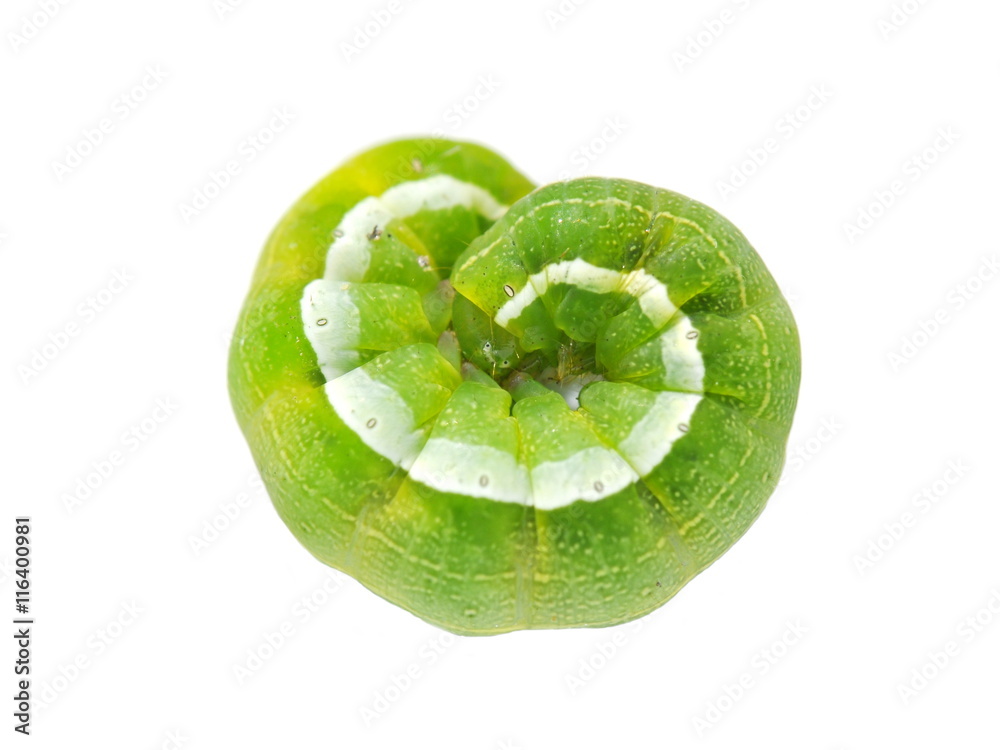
(502,406)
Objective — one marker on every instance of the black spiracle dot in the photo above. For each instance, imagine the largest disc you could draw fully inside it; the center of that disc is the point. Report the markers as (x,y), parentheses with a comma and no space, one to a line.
(371,423)
(508,290)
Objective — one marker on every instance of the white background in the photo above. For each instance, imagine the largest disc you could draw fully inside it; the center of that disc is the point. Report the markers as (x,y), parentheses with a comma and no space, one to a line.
(540,84)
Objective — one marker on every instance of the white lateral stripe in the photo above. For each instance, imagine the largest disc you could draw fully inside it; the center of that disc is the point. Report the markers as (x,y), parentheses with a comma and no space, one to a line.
(440,192)
(486,472)
(590,474)
(650,292)
(476,470)
(378,415)
(652,296)
(681,359)
(349,256)
(652,437)
(333,325)
(339,362)
(513,308)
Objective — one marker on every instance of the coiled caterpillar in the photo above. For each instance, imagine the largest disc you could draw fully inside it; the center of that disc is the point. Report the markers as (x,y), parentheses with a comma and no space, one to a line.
(502,407)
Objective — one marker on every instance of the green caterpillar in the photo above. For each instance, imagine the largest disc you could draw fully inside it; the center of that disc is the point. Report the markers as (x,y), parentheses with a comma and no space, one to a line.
(502,407)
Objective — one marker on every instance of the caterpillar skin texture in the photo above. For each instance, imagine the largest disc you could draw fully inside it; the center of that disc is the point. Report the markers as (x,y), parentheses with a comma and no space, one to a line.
(502,407)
